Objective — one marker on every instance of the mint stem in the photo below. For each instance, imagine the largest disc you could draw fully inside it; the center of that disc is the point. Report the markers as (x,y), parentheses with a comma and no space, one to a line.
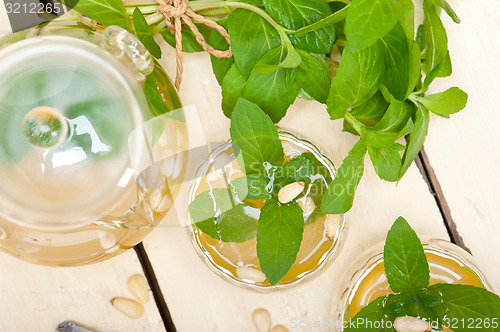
(329,20)
(358,126)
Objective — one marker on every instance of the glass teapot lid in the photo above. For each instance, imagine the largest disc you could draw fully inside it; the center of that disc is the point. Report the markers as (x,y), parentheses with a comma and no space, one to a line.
(67,108)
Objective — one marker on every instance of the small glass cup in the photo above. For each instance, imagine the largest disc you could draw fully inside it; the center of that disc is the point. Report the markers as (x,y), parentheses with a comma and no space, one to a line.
(365,280)
(225,258)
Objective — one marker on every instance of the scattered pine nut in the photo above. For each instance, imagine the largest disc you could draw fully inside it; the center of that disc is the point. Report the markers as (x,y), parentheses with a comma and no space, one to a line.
(307,205)
(290,191)
(280,328)
(332,224)
(130,308)
(138,286)
(249,273)
(411,324)
(262,320)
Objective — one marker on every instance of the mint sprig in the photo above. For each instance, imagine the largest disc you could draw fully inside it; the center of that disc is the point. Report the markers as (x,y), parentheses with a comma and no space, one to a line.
(284,49)
(459,307)
(227,214)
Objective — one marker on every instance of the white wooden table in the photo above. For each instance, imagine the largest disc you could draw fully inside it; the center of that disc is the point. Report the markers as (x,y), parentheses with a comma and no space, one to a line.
(455,192)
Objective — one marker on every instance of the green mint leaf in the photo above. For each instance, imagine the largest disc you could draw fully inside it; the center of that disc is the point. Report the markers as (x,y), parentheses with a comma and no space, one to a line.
(434,39)
(189,42)
(414,65)
(444,69)
(143,33)
(220,66)
(447,8)
(252,186)
(253,132)
(396,118)
(474,308)
(275,91)
(156,104)
(387,161)
(447,68)
(279,236)
(445,103)
(405,263)
(369,114)
(233,86)
(416,139)
(371,315)
(161,102)
(219,214)
(296,14)
(407,18)
(397,62)
(314,76)
(340,194)
(370,20)
(357,80)
(106,12)
(335,6)
(299,168)
(395,123)
(415,305)
(251,37)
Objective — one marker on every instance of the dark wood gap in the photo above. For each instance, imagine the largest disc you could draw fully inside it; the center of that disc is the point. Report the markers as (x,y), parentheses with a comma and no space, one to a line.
(423,164)
(155,287)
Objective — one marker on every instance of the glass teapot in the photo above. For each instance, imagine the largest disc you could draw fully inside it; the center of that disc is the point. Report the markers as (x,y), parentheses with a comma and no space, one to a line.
(86,115)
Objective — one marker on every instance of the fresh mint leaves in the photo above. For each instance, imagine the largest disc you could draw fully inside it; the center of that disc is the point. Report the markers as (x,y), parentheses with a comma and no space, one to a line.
(340,195)
(142,32)
(445,103)
(404,259)
(357,79)
(106,12)
(256,137)
(279,236)
(370,20)
(251,38)
(459,307)
(229,215)
(475,308)
(296,14)
(284,49)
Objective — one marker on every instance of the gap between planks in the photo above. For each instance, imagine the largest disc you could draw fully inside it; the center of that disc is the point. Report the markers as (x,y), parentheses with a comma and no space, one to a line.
(155,288)
(423,164)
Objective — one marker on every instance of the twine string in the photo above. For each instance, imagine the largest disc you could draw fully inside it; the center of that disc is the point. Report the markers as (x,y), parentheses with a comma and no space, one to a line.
(177,11)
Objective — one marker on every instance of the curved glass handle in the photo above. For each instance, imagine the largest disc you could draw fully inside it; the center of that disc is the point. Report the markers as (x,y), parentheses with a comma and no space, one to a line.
(128,49)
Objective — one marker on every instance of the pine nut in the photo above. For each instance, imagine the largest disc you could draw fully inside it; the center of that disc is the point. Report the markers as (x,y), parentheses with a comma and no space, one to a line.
(130,308)
(307,205)
(411,324)
(280,328)
(262,320)
(290,191)
(332,224)
(249,273)
(138,286)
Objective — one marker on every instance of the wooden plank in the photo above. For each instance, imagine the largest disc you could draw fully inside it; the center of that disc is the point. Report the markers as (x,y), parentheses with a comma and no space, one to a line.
(464,152)
(38,298)
(201,301)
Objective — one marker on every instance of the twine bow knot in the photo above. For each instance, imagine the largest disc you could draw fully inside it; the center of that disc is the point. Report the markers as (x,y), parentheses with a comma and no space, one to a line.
(175,10)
